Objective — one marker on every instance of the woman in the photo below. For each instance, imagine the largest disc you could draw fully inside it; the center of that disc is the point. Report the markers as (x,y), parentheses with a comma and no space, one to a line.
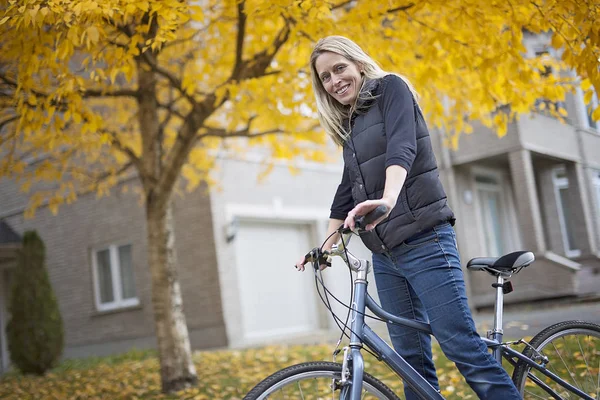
(388,159)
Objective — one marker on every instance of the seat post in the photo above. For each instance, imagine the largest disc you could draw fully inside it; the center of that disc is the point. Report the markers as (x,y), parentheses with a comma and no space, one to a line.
(497,333)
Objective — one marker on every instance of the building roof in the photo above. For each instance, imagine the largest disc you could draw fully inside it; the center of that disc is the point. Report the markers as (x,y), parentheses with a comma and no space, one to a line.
(7,235)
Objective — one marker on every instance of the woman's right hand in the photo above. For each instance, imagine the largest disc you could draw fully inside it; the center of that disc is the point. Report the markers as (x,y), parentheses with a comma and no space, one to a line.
(333,226)
(301,267)
(300,264)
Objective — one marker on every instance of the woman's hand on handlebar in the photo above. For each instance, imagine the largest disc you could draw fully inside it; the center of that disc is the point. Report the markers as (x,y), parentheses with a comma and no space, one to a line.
(300,264)
(366,207)
(332,238)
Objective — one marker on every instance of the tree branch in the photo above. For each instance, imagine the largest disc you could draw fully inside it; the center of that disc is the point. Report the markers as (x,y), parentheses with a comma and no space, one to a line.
(171,110)
(437,30)
(257,66)
(8,121)
(113,93)
(244,132)
(391,10)
(342,4)
(153,64)
(239,45)
(223,134)
(170,107)
(401,8)
(97,179)
(8,80)
(13,83)
(123,148)
(176,82)
(11,152)
(179,41)
(220,132)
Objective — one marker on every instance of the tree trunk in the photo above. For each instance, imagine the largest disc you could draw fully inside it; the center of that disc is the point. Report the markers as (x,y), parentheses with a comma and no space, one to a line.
(177,370)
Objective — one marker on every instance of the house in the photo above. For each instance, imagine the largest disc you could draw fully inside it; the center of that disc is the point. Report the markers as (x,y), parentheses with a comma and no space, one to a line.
(96,260)
(537,188)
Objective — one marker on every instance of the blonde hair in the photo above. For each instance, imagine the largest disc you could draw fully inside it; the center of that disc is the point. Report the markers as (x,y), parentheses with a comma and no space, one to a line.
(332,113)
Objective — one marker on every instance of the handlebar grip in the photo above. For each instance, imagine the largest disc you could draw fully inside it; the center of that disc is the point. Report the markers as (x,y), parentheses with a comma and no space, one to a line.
(317,254)
(364,220)
(306,258)
(371,217)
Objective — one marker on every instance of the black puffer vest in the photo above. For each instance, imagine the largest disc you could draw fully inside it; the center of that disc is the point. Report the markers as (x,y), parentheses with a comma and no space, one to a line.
(422,203)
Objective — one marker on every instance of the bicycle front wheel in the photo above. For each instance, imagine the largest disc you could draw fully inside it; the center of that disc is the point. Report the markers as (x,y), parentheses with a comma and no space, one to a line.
(572,349)
(315,380)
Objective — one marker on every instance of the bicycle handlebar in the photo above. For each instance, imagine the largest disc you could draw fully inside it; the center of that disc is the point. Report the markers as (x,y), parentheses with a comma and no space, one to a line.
(362,221)
(359,223)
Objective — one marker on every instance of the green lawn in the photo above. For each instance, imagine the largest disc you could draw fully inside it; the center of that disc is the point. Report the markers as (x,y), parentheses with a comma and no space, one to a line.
(225,374)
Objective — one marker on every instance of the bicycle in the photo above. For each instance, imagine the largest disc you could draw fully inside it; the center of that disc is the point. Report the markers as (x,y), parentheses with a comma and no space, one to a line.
(561,360)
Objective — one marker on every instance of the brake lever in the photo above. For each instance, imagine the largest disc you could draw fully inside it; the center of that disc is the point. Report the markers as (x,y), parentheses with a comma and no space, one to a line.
(318,257)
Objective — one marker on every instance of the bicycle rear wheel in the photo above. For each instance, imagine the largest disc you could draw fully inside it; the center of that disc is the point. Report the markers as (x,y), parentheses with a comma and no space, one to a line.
(315,380)
(573,352)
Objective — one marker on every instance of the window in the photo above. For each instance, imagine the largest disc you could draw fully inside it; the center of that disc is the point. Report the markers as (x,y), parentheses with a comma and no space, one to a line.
(114,282)
(491,213)
(593,103)
(596,183)
(544,105)
(561,191)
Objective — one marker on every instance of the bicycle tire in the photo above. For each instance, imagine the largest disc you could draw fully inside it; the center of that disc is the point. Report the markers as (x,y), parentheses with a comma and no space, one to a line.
(573,352)
(290,378)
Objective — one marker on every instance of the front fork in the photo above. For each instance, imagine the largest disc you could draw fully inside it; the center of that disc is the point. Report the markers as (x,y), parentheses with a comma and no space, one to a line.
(353,365)
(357,367)
(352,375)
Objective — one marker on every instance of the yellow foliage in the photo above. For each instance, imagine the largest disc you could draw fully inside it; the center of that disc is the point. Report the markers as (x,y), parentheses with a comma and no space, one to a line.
(78,76)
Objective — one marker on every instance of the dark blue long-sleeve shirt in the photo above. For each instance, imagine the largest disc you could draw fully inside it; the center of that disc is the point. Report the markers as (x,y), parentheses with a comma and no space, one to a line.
(398,109)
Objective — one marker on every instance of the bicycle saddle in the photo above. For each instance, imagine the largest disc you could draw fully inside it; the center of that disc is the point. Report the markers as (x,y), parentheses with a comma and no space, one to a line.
(507,263)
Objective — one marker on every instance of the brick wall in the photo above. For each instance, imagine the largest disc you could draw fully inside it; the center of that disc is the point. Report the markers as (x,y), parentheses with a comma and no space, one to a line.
(119,219)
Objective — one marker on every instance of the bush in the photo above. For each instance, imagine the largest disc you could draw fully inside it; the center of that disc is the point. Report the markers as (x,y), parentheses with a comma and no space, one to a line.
(34,330)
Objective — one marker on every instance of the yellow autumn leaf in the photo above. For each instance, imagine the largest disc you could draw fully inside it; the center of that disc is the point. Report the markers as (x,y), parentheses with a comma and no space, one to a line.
(93,34)
(586,84)
(596,114)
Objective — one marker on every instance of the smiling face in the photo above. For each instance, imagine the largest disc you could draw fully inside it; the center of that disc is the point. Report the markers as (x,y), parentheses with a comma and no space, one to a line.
(340,77)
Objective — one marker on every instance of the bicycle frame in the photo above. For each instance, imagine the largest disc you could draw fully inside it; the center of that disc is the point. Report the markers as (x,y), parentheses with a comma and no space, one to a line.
(361,334)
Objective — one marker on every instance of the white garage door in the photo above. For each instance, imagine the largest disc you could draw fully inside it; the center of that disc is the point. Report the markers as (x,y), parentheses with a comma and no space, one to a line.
(276,300)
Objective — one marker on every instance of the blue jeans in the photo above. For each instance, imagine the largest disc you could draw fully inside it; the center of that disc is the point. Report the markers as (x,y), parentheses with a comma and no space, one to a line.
(422,279)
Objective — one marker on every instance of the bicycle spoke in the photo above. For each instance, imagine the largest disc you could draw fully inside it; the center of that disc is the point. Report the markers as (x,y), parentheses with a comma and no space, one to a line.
(299,388)
(583,353)
(550,367)
(598,385)
(535,395)
(571,374)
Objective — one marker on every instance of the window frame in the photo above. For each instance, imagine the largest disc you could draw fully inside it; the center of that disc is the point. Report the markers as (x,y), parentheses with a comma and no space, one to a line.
(509,231)
(584,113)
(558,184)
(596,186)
(115,272)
